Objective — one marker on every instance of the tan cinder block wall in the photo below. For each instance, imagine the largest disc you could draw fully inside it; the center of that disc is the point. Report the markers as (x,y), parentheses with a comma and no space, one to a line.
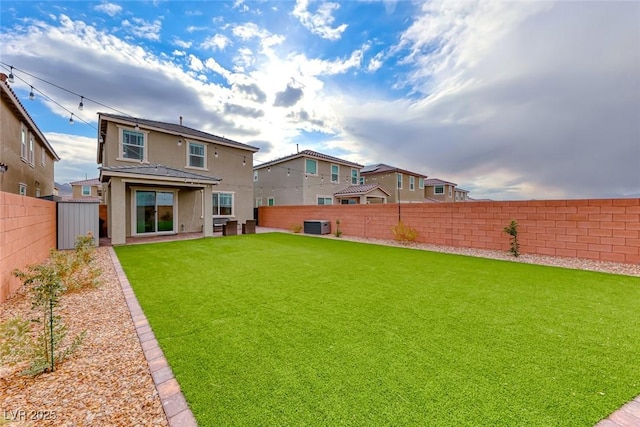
(599,229)
(27,233)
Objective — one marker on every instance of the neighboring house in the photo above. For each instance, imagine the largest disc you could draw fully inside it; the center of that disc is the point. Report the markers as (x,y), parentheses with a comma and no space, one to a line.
(166,178)
(444,191)
(402,185)
(362,194)
(304,178)
(88,189)
(26,157)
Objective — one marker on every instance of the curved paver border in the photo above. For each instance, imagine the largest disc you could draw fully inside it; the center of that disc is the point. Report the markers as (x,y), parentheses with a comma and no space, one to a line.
(173,401)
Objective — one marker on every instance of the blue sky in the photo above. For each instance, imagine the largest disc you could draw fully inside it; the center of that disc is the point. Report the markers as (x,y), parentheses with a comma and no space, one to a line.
(511,100)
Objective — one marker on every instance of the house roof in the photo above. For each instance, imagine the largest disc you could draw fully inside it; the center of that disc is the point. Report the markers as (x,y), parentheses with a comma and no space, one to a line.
(384,168)
(437,181)
(170,128)
(92,181)
(359,190)
(308,153)
(158,171)
(17,106)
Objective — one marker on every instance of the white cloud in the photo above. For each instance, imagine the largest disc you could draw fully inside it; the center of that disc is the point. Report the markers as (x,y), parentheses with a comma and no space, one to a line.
(193,28)
(216,42)
(182,43)
(77,156)
(178,53)
(110,9)
(145,29)
(195,63)
(375,63)
(320,22)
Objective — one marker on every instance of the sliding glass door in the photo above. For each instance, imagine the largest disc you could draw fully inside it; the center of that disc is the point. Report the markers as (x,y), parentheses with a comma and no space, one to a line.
(154,211)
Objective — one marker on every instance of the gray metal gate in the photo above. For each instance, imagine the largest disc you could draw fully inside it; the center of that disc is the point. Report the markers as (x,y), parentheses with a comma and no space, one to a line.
(76,219)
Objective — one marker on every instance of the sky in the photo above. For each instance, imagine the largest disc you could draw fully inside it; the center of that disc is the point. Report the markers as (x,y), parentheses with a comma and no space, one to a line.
(511,100)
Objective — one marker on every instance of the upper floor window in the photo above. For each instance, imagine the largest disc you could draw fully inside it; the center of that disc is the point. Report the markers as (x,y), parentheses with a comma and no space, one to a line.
(311,167)
(362,180)
(450,191)
(223,204)
(86,190)
(399,181)
(23,189)
(438,189)
(421,183)
(457,196)
(412,183)
(354,176)
(32,156)
(23,142)
(197,155)
(255,176)
(134,145)
(322,200)
(335,173)
(271,201)
(38,192)
(258,202)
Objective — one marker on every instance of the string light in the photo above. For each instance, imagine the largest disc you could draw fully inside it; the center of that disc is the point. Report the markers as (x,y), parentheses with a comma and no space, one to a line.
(81,105)
(216,152)
(11,79)
(71,119)
(288,172)
(32,95)
(269,169)
(244,160)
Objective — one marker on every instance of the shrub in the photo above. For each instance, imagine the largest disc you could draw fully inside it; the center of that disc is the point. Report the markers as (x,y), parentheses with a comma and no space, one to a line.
(512,230)
(296,228)
(338,231)
(403,233)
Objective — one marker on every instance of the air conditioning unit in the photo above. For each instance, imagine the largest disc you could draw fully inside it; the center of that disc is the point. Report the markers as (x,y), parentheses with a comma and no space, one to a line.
(317,226)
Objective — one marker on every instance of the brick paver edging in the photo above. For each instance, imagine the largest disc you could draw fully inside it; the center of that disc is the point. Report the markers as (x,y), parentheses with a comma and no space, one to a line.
(173,401)
(627,416)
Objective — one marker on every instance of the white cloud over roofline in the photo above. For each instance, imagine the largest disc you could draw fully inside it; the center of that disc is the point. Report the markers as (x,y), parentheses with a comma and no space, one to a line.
(319,23)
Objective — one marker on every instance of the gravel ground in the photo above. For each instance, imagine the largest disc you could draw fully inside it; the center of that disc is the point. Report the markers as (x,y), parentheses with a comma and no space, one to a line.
(106,382)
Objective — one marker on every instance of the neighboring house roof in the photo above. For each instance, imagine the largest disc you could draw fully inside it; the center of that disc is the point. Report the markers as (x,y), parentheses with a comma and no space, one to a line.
(384,168)
(92,181)
(8,93)
(359,190)
(437,181)
(308,153)
(170,128)
(159,171)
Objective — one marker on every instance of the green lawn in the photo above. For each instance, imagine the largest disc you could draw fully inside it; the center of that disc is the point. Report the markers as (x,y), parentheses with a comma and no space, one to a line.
(280,329)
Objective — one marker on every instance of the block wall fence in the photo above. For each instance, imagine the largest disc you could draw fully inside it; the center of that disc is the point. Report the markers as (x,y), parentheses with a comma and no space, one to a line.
(597,229)
(27,233)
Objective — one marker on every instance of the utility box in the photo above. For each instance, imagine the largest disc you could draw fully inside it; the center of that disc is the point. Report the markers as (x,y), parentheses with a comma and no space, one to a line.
(317,226)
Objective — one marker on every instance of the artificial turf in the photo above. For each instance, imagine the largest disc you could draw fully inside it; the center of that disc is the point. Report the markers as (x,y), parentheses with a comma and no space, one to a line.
(280,329)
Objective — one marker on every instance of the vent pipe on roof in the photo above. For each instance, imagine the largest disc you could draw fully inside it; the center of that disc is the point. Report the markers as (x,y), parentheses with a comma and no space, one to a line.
(180,120)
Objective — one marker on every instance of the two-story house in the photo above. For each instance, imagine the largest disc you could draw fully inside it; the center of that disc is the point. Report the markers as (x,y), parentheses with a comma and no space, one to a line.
(87,189)
(403,186)
(167,178)
(26,157)
(444,191)
(304,178)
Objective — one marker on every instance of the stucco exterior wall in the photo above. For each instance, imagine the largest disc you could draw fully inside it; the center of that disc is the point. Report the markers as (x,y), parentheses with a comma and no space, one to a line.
(389,180)
(27,234)
(34,175)
(599,229)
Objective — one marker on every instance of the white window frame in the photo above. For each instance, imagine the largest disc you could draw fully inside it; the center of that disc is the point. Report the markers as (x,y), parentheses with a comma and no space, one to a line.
(337,174)
(145,147)
(457,196)
(22,189)
(204,156)
(87,187)
(233,204)
(412,183)
(255,176)
(38,192)
(438,187)
(450,191)
(32,153)
(306,164)
(354,177)
(23,142)
(421,183)
(134,231)
(271,201)
(399,179)
(324,200)
(258,202)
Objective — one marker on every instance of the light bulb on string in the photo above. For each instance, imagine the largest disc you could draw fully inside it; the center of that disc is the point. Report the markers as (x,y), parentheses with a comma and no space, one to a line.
(244,160)
(32,95)
(81,105)
(10,78)
(71,119)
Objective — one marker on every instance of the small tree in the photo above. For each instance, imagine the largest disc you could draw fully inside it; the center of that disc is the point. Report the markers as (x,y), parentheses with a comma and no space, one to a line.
(512,230)
(338,231)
